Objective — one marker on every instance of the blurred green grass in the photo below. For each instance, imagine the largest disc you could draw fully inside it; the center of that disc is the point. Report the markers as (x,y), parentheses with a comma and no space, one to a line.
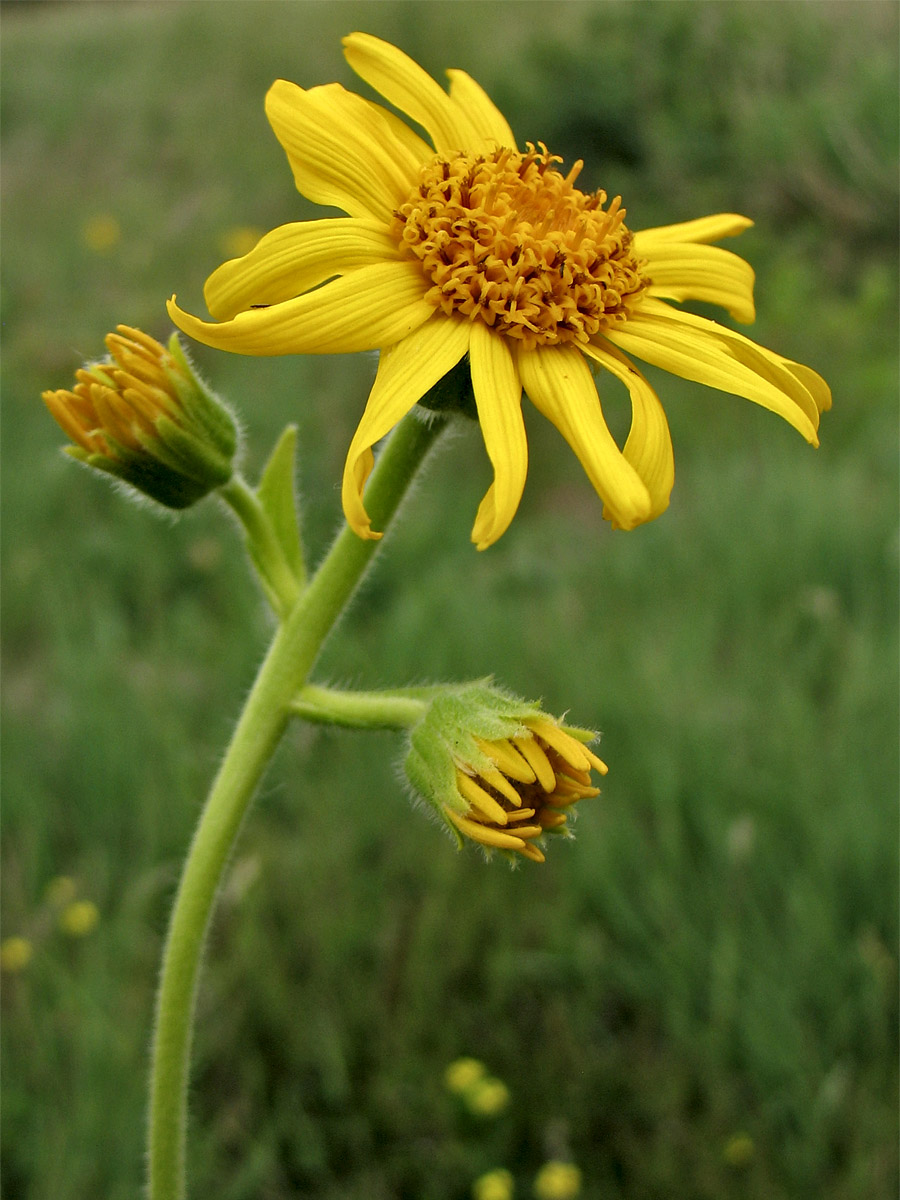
(716,952)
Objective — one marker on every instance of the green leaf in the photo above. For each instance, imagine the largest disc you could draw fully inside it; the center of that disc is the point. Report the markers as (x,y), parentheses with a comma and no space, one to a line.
(277,496)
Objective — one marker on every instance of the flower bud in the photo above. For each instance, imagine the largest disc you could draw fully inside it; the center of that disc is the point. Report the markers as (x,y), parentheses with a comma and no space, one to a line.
(499,770)
(144,416)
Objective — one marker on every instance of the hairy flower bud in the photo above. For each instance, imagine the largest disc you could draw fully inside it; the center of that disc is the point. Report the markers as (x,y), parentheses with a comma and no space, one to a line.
(144,416)
(499,770)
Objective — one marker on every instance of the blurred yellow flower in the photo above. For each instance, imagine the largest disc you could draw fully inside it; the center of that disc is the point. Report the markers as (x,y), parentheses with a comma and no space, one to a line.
(494,1185)
(739,1150)
(101,232)
(557,1181)
(463,1074)
(15,954)
(60,891)
(487,1097)
(471,248)
(79,918)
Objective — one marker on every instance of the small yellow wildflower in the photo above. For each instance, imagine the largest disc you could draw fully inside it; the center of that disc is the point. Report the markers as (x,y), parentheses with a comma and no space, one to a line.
(487,1097)
(739,1150)
(143,416)
(15,954)
(494,1185)
(101,232)
(79,918)
(474,250)
(557,1181)
(463,1073)
(60,891)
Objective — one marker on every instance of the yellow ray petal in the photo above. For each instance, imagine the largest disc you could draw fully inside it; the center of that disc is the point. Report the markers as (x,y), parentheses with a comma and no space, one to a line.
(575,754)
(340,151)
(481,800)
(504,755)
(484,833)
(294,258)
(473,100)
(701,353)
(412,90)
(807,389)
(372,307)
(498,396)
(406,371)
(702,229)
(537,760)
(681,271)
(559,383)
(649,444)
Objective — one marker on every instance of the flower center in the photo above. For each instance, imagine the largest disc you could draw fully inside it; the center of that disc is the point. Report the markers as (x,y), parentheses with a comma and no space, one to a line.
(506,237)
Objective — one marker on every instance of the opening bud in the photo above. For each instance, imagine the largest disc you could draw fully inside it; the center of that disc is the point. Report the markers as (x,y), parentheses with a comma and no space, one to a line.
(143,415)
(499,770)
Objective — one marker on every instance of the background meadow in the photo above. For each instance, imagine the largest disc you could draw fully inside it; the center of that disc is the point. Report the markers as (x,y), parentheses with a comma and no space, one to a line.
(695,998)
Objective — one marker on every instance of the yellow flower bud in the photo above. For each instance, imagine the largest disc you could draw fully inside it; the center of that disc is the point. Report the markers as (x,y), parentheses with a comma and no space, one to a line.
(493,1185)
(79,918)
(143,416)
(557,1181)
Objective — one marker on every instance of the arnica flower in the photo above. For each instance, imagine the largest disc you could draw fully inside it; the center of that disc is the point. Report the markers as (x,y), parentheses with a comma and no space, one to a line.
(143,416)
(498,770)
(494,1185)
(472,246)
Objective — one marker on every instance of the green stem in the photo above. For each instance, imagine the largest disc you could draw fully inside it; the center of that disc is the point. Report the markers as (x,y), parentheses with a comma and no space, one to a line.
(281,584)
(283,673)
(395,709)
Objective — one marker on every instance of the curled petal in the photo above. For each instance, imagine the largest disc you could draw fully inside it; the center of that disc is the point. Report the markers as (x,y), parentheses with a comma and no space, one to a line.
(406,371)
(498,396)
(370,308)
(344,150)
(294,258)
(649,444)
(411,89)
(559,383)
(707,353)
(703,229)
(684,271)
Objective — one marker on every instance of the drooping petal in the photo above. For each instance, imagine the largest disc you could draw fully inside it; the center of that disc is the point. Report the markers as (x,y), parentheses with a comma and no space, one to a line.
(498,396)
(342,149)
(406,371)
(697,349)
(294,258)
(807,389)
(411,89)
(703,229)
(685,271)
(490,123)
(373,307)
(559,383)
(649,444)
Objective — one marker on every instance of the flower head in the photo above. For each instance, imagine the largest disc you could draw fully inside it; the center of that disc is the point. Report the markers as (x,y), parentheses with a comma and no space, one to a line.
(471,247)
(144,416)
(494,1185)
(79,918)
(15,954)
(498,770)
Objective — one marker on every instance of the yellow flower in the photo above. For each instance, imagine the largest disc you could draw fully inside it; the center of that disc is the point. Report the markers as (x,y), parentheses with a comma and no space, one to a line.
(143,416)
(472,246)
(493,1185)
(464,1073)
(739,1150)
(60,891)
(79,918)
(15,954)
(557,1181)
(487,1098)
(101,232)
